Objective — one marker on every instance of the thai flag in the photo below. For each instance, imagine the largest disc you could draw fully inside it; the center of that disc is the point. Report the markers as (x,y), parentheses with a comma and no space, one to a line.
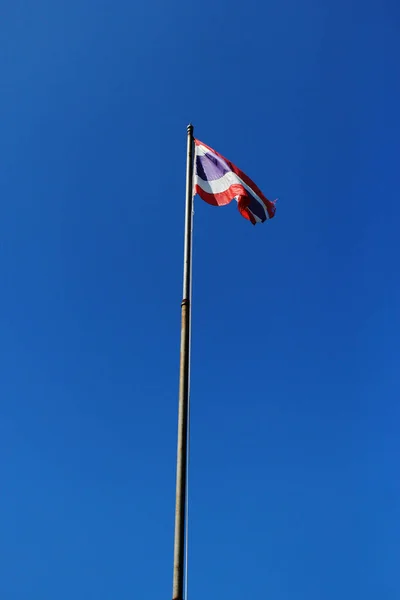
(218,182)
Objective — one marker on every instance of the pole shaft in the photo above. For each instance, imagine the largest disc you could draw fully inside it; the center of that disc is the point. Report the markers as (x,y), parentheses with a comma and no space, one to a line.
(184,380)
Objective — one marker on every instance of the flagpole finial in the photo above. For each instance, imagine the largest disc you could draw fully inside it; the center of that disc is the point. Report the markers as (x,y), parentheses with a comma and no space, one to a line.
(190,129)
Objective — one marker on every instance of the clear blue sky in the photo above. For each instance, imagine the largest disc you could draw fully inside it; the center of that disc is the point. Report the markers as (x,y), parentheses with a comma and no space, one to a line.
(295,490)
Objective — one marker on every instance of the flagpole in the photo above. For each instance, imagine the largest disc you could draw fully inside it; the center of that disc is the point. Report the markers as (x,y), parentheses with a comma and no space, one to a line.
(184,383)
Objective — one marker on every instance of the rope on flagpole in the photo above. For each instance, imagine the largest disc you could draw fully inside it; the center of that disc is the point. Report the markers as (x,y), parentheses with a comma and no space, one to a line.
(188,447)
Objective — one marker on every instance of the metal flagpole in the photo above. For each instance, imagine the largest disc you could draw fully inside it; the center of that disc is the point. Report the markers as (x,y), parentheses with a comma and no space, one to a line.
(184,381)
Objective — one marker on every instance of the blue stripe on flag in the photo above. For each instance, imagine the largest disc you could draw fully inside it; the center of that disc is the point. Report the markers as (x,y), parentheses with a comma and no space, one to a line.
(210,167)
(256,208)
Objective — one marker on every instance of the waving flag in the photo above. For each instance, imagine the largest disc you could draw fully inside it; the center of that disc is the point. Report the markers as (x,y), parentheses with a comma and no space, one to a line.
(218,182)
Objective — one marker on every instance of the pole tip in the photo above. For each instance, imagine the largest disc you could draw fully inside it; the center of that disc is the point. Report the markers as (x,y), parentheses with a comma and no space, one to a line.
(190,129)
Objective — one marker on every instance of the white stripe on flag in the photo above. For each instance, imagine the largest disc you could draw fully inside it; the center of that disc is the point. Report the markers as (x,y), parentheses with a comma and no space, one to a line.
(224,183)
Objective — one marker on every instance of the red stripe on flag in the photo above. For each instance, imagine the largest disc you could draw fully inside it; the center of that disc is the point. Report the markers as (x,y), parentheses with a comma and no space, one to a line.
(222,198)
(234,191)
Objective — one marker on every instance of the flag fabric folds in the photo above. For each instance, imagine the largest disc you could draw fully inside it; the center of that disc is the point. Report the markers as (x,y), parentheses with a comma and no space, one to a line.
(218,182)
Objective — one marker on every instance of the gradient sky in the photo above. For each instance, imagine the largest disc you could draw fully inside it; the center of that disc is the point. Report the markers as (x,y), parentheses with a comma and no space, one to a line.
(294,488)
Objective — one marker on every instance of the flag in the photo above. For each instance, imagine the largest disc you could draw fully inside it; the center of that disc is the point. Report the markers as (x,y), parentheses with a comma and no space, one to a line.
(218,182)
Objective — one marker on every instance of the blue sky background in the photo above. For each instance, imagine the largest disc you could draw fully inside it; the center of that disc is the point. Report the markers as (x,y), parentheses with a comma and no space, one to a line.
(294,488)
